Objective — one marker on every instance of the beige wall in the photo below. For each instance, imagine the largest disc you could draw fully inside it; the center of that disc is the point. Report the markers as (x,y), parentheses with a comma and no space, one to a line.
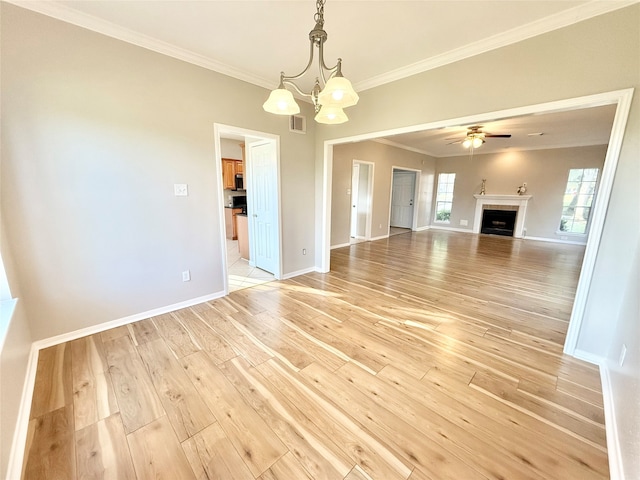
(545,172)
(95,132)
(384,157)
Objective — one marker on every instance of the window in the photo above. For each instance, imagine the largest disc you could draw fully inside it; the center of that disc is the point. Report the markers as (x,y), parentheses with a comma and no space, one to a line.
(578,200)
(444,196)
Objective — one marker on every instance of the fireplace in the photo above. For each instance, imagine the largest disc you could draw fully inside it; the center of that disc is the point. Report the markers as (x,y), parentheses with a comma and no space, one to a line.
(498,222)
(516,203)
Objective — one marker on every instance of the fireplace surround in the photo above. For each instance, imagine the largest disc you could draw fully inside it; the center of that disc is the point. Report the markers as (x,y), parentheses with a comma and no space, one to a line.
(502,202)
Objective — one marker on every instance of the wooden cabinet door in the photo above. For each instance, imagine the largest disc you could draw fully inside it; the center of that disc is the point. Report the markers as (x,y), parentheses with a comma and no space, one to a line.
(230,222)
(228,174)
(239,167)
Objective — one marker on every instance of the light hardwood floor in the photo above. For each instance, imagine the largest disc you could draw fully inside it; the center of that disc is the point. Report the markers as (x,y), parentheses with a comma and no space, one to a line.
(431,355)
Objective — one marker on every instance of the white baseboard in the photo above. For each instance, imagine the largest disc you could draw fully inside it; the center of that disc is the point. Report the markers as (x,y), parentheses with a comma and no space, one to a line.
(554,240)
(451,229)
(421,229)
(616,470)
(301,272)
(588,357)
(83,332)
(339,245)
(381,237)
(16,456)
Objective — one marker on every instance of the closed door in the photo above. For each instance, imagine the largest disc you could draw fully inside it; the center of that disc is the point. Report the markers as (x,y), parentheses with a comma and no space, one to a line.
(263,206)
(402,196)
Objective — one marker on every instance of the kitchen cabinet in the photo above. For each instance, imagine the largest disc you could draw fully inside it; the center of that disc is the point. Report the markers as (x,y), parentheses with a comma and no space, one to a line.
(243,235)
(230,222)
(230,168)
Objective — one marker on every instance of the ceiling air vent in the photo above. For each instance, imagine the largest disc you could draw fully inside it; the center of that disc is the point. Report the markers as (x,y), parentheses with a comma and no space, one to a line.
(298,124)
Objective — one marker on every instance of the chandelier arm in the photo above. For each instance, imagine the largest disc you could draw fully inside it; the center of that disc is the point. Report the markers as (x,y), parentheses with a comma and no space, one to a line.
(286,81)
(323,66)
(306,69)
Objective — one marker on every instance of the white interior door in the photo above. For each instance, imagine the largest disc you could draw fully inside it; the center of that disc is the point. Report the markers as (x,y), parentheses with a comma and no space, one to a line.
(403,191)
(355,181)
(263,205)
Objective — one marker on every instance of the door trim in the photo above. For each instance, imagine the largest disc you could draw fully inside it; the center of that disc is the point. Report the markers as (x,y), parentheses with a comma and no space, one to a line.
(622,98)
(219,131)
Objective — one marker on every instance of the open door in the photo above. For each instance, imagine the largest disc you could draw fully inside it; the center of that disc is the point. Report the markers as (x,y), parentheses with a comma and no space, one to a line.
(262,205)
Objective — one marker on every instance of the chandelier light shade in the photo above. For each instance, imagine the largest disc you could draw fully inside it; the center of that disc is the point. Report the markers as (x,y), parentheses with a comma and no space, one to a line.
(331,93)
(338,92)
(331,115)
(281,102)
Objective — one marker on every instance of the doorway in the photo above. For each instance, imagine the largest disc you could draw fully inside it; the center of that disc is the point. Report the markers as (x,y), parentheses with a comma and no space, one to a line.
(253,256)
(361,201)
(403,194)
(620,98)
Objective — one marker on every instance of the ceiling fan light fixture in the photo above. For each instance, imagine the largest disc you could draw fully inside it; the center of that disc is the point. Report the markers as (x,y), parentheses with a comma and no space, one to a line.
(474,141)
(281,102)
(331,92)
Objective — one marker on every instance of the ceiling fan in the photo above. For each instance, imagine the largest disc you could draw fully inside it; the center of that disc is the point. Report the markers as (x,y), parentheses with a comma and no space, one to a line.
(476,137)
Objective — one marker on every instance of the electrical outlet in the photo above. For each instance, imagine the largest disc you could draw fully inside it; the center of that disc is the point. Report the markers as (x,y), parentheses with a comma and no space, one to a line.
(304,251)
(623,354)
(464,223)
(186,276)
(180,189)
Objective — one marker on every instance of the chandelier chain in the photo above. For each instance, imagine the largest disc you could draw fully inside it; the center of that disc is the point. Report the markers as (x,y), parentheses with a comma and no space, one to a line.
(319,16)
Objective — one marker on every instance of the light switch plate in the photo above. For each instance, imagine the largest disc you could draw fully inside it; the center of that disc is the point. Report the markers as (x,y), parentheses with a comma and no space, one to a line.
(180,189)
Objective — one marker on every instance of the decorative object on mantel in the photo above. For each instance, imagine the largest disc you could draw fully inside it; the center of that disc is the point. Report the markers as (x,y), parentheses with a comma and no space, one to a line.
(329,99)
(483,189)
(522,189)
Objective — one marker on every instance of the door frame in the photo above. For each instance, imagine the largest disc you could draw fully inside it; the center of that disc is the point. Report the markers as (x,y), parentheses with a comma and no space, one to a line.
(621,98)
(219,131)
(369,206)
(416,189)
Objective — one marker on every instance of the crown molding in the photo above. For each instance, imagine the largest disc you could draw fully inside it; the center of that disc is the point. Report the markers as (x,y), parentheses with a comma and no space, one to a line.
(548,24)
(402,146)
(90,22)
(518,34)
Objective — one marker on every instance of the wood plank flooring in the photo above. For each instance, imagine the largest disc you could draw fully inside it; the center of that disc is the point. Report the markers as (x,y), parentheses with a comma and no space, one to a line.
(426,356)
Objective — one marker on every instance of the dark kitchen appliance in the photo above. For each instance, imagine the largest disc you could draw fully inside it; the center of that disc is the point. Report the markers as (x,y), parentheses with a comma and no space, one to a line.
(239,181)
(239,201)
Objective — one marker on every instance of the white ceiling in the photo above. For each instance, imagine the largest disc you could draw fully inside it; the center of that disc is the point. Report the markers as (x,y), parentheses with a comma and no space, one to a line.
(571,128)
(379,41)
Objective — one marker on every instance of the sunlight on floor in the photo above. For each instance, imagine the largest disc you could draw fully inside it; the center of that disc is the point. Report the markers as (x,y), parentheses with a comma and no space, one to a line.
(241,274)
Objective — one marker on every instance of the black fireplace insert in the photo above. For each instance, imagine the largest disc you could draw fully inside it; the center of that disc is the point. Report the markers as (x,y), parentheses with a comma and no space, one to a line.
(498,222)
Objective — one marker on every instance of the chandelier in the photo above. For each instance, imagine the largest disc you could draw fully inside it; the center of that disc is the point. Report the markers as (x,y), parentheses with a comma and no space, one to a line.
(331,93)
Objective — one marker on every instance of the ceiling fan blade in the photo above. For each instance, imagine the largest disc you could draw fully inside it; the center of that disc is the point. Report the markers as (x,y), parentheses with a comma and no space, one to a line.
(457,141)
(497,136)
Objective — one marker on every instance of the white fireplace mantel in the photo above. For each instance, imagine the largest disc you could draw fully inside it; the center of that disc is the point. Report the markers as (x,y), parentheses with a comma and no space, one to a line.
(519,201)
